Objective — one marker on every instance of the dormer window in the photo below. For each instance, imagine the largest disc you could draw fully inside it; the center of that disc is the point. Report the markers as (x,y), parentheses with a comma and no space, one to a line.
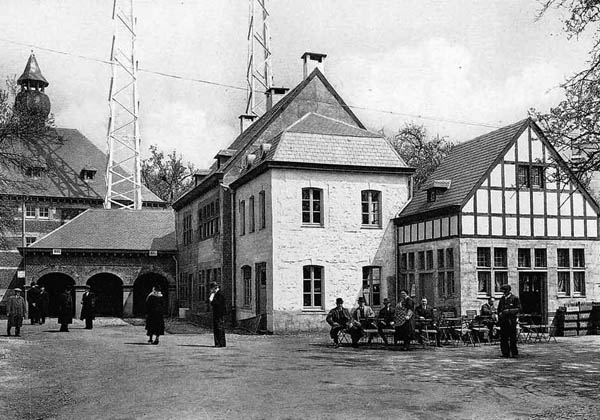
(431,195)
(87,174)
(436,188)
(34,172)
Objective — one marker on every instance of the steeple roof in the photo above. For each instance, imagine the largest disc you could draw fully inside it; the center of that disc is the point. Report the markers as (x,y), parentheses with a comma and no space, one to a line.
(32,73)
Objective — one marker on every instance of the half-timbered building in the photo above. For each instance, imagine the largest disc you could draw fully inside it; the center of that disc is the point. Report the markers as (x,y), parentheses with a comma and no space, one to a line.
(501,208)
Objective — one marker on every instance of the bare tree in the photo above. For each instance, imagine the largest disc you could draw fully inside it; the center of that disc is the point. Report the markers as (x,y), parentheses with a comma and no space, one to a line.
(420,151)
(166,176)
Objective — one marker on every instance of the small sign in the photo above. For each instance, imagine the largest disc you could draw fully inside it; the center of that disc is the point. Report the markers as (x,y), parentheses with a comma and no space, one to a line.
(20,274)
(153,253)
(56,251)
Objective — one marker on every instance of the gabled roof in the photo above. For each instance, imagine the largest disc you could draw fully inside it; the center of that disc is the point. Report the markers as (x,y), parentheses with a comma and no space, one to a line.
(313,94)
(114,230)
(64,153)
(465,168)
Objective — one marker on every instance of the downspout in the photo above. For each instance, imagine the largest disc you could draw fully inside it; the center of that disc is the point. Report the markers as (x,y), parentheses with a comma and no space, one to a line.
(410,197)
(176,306)
(233,259)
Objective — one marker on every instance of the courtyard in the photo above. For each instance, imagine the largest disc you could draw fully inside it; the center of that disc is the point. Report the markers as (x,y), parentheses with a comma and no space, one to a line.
(111,372)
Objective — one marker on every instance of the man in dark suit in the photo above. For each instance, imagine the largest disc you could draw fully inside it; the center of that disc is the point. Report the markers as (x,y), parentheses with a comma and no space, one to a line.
(219,310)
(424,320)
(88,308)
(339,319)
(508,311)
(385,319)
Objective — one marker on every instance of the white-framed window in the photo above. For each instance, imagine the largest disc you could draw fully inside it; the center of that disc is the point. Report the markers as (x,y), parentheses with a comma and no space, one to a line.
(312,288)
(491,273)
(208,220)
(242,217)
(312,211)
(29,240)
(30,212)
(371,208)
(247,283)
(187,228)
(44,212)
(372,285)
(571,267)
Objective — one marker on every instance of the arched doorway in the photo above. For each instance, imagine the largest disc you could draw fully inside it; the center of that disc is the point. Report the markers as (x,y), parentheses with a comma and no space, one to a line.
(142,286)
(108,289)
(55,284)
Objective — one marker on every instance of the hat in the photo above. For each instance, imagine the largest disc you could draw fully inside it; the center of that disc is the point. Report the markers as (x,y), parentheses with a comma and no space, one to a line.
(505,287)
(213,284)
(386,300)
(339,300)
(16,289)
(361,299)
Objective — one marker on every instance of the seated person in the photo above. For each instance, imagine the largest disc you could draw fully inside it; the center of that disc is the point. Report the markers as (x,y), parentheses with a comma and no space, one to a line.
(403,319)
(362,317)
(488,315)
(339,319)
(424,319)
(385,319)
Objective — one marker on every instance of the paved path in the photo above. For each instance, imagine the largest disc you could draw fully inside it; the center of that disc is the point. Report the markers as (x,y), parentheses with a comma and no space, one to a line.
(111,373)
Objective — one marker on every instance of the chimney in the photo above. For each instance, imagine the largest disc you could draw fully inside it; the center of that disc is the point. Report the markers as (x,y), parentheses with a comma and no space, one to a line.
(312,60)
(246,121)
(274,95)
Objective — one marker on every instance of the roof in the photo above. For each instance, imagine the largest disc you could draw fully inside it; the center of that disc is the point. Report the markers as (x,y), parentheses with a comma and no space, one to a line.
(464,168)
(64,152)
(313,94)
(114,230)
(32,72)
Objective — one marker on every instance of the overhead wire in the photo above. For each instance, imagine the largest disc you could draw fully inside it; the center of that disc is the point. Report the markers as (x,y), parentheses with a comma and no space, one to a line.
(213,83)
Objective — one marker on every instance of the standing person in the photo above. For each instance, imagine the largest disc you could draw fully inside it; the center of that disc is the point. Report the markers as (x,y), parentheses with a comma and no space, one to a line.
(508,311)
(363,317)
(155,312)
(88,308)
(65,309)
(33,298)
(15,308)
(403,319)
(44,304)
(385,319)
(339,319)
(219,310)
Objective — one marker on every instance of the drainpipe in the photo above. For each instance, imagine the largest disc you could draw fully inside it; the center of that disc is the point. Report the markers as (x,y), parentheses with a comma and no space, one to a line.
(233,258)
(176,306)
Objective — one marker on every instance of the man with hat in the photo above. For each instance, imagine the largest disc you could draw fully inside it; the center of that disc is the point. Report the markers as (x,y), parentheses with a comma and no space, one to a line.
(339,319)
(508,311)
(15,309)
(88,308)
(385,319)
(362,317)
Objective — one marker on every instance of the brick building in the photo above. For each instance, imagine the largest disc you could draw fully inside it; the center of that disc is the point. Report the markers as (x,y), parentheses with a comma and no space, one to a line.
(296,212)
(501,208)
(65,178)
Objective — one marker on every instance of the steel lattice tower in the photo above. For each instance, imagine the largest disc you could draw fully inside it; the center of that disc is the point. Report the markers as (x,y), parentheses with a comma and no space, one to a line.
(259,74)
(123,171)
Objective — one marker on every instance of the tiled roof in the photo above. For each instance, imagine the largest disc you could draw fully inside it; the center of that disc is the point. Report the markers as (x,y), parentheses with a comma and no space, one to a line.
(321,140)
(126,230)
(65,157)
(464,167)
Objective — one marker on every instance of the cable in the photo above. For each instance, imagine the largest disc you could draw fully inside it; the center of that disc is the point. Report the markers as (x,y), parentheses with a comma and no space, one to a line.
(208,82)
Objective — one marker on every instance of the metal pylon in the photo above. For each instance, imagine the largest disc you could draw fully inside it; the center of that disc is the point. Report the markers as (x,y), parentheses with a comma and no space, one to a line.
(259,75)
(123,171)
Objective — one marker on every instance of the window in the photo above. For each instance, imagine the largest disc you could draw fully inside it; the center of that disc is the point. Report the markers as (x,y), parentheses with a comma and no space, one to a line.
(29,212)
(450,289)
(431,196)
(372,285)
(311,206)
(578,258)
(524,258)
(440,258)
(251,214)
(483,257)
(312,286)
(262,208)
(537,177)
(371,208)
(247,280)
(187,228)
(208,220)
(34,172)
(500,257)
(201,286)
(429,260)
(523,176)
(242,217)
(44,212)
(404,261)
(484,280)
(564,282)
(421,256)
(563,257)
(500,278)
(579,282)
(411,261)
(450,258)
(540,260)
(29,240)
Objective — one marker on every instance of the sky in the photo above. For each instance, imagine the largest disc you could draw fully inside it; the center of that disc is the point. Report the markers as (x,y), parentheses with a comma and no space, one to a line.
(463,67)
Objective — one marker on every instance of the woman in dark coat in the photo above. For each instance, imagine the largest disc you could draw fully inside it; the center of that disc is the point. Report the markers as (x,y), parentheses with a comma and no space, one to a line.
(65,310)
(155,311)
(88,308)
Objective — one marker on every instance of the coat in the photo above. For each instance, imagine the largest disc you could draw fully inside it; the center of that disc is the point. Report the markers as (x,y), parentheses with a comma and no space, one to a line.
(219,307)
(88,308)
(386,314)
(15,309)
(508,310)
(44,303)
(339,316)
(65,308)
(155,312)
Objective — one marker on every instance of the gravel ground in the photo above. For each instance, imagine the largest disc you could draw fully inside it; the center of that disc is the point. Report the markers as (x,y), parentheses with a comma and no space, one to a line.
(111,372)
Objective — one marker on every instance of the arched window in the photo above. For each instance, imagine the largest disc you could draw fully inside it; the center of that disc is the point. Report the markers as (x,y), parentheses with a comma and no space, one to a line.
(247,280)
(371,208)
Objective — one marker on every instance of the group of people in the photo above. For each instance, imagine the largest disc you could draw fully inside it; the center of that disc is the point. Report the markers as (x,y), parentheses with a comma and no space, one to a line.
(38,304)
(405,319)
